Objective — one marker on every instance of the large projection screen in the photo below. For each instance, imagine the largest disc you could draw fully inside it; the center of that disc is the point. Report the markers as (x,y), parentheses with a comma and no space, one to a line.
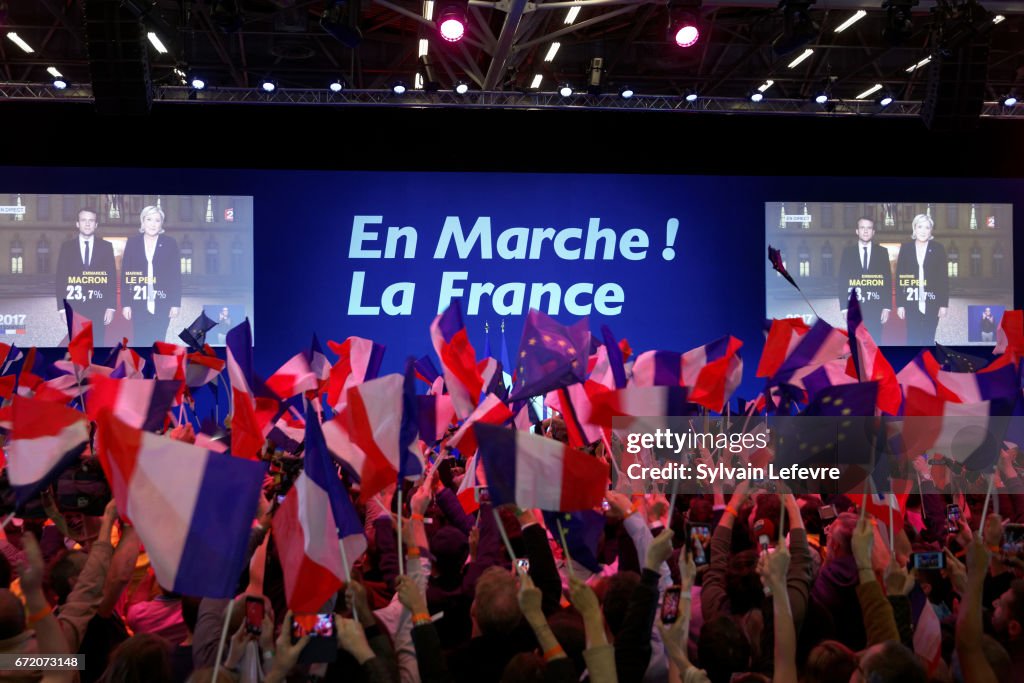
(923,272)
(91,250)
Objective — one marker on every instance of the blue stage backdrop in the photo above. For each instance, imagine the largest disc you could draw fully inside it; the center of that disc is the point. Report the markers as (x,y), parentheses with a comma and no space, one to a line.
(668,262)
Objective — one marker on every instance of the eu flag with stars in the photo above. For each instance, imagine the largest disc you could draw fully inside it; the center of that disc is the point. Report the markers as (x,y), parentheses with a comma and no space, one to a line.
(195,334)
(551,356)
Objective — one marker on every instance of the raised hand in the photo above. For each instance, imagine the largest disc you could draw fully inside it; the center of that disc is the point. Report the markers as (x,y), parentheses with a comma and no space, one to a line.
(861,542)
(659,550)
(410,595)
(530,599)
(583,597)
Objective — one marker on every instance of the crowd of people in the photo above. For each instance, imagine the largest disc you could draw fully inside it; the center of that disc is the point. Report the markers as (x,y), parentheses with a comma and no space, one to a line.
(827,599)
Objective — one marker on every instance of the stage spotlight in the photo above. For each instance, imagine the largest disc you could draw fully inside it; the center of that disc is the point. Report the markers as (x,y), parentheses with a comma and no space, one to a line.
(336,86)
(798,28)
(691,95)
(626,92)
(756,96)
(1010,100)
(687,35)
(60,83)
(683,28)
(461,88)
(565,90)
(452,21)
(821,98)
(885,101)
(197,82)
(268,86)
(398,87)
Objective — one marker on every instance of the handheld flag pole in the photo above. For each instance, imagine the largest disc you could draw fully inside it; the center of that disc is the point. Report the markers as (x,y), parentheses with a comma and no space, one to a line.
(223,638)
(401,552)
(504,534)
(565,549)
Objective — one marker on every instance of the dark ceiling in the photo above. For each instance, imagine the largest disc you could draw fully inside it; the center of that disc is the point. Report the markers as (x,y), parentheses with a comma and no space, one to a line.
(235,44)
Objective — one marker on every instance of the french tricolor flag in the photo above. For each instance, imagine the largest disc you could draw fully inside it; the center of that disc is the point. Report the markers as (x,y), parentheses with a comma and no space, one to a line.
(192,508)
(132,362)
(46,438)
(821,344)
(239,351)
(971,387)
(293,378)
(376,443)
(169,361)
(458,359)
(358,361)
(79,336)
(140,403)
(491,411)
(535,472)
(783,335)
(202,367)
(639,402)
(316,529)
(317,360)
(711,372)
(434,415)
(964,432)
(869,361)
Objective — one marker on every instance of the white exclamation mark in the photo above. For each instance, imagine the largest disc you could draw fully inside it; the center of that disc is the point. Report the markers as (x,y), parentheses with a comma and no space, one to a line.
(671,228)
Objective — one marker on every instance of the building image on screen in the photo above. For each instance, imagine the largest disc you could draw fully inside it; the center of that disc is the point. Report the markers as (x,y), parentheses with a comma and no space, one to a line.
(140,267)
(922,272)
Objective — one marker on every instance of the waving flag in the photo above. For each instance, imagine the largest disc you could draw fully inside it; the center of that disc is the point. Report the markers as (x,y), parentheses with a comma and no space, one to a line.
(968,433)
(775,258)
(46,438)
(434,414)
(783,336)
(821,344)
(536,472)
(640,402)
(240,368)
(202,367)
(29,377)
(191,507)
(132,362)
(312,526)
(927,634)
(79,337)
(869,361)
(616,364)
(169,360)
(195,334)
(426,371)
(139,403)
(293,378)
(1010,335)
(247,428)
(551,356)
(492,410)
(373,423)
(971,387)
(710,372)
(922,372)
(358,361)
(458,359)
(317,360)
